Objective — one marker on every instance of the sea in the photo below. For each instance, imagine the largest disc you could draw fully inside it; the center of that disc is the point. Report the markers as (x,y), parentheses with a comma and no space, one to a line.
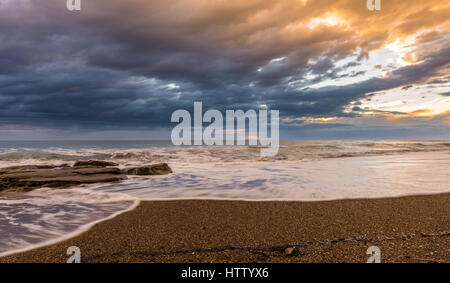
(302,171)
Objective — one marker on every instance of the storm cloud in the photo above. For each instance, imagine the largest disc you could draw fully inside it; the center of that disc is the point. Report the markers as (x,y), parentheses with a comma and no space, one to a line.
(127,65)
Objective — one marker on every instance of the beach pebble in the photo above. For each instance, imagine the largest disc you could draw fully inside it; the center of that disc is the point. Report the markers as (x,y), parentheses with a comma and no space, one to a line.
(289,251)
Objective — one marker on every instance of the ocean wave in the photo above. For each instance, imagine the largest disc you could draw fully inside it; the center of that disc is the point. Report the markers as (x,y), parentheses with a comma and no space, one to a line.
(289,150)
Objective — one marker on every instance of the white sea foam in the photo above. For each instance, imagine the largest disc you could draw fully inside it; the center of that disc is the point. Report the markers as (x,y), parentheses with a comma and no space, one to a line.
(45,216)
(326,179)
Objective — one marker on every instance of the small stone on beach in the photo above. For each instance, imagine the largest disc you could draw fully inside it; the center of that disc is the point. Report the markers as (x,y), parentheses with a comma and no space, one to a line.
(289,251)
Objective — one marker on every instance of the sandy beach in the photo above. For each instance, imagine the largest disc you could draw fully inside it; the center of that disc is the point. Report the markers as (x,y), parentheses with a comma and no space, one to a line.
(406,229)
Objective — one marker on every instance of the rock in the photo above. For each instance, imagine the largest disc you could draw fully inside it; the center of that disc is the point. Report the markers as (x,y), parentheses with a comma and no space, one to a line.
(94,163)
(91,171)
(156,169)
(27,178)
(289,251)
(23,168)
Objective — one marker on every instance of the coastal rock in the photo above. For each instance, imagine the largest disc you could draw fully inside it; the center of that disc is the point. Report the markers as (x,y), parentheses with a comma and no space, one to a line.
(92,171)
(156,169)
(94,163)
(24,168)
(33,177)
(29,177)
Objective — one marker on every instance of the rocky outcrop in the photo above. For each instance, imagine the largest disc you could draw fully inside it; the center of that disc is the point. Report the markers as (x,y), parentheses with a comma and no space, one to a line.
(29,178)
(156,169)
(26,178)
(23,168)
(94,163)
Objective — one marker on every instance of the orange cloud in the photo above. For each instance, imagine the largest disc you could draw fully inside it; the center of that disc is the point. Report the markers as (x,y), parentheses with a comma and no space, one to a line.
(277,27)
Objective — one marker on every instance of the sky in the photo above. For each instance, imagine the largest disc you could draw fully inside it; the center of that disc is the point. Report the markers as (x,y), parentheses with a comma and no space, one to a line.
(119,69)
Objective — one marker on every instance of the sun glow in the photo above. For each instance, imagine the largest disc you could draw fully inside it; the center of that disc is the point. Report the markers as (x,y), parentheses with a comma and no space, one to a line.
(310,120)
(328,20)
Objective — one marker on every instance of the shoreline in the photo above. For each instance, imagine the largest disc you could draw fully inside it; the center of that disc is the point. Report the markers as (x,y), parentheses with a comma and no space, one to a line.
(407,229)
(82,229)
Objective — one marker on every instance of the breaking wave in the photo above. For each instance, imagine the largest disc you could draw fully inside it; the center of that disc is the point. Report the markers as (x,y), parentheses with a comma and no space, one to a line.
(148,153)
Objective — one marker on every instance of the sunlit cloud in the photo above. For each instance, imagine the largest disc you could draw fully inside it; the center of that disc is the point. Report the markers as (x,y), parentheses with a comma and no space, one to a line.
(328,20)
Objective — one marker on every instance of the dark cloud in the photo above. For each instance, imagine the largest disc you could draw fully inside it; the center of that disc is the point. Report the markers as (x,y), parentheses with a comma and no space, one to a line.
(129,64)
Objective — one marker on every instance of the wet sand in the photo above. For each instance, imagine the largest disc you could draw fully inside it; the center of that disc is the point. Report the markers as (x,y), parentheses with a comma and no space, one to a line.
(406,229)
